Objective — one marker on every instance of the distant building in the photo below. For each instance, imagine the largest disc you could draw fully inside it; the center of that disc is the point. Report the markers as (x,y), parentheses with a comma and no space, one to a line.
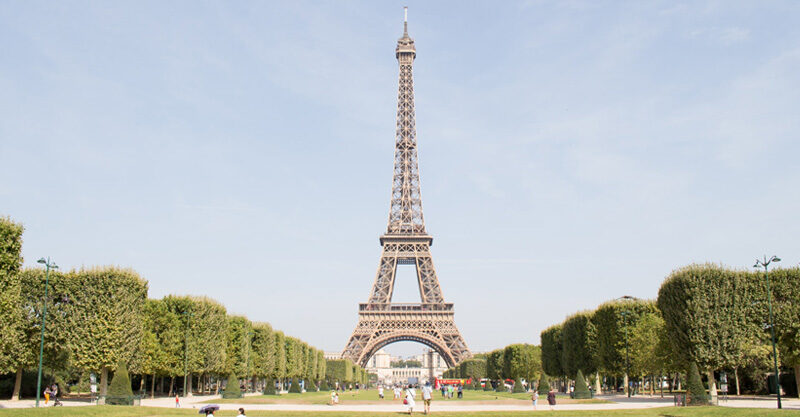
(433,366)
(333,355)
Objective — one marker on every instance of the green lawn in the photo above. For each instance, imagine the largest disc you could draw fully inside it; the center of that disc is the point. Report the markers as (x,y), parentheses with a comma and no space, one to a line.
(371,397)
(120,411)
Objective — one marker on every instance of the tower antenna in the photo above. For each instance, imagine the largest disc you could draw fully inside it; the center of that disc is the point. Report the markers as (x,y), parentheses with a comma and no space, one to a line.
(405,20)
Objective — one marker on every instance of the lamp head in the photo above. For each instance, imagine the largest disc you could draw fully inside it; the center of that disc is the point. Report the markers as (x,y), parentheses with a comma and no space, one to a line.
(776,259)
(54,266)
(42,261)
(756,265)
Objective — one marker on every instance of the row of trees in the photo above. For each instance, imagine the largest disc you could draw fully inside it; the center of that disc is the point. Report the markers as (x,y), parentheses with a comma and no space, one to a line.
(516,361)
(709,315)
(98,318)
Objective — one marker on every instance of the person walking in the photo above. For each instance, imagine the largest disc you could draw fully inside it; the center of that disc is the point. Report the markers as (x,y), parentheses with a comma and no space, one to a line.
(460,391)
(427,393)
(177,401)
(46,394)
(241,413)
(551,398)
(380,392)
(535,398)
(409,401)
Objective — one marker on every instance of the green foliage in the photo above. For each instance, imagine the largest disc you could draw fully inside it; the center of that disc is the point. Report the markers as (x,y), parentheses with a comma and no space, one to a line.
(269,389)
(294,357)
(577,346)
(552,350)
(544,386)
(581,389)
(56,336)
(340,370)
(262,351)
(494,364)
(522,361)
(324,385)
(785,286)
(501,386)
(104,316)
(295,387)
(487,385)
(238,346)
(695,392)
(472,368)
(11,316)
(322,365)
(120,392)
(310,386)
(518,387)
(232,389)
(280,355)
(608,326)
(711,314)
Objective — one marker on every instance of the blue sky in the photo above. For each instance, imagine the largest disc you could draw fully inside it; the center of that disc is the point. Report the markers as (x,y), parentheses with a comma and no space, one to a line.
(571,152)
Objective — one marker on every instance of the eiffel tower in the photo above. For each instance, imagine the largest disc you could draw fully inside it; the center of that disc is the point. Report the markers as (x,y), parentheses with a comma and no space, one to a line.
(380,321)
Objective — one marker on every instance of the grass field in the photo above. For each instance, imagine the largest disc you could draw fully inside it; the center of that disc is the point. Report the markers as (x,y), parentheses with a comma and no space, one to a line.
(371,397)
(110,411)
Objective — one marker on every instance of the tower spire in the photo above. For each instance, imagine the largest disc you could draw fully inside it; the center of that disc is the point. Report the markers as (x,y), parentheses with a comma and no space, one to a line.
(405,21)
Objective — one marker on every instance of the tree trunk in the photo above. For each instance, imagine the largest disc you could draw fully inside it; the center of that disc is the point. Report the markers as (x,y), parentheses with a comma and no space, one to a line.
(712,384)
(104,381)
(143,383)
(797,378)
(736,377)
(625,382)
(171,386)
(661,384)
(678,377)
(188,392)
(17,385)
(597,388)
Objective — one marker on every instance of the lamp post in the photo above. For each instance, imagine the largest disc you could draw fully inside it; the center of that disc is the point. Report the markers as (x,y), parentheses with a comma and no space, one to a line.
(765,263)
(625,315)
(47,266)
(186,354)
(247,360)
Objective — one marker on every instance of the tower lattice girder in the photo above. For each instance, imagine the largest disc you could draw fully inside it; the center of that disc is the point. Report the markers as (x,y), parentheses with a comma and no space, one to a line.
(381,322)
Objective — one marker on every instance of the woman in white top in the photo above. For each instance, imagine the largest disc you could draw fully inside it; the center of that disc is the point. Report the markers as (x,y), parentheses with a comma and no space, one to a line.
(410,400)
(241,413)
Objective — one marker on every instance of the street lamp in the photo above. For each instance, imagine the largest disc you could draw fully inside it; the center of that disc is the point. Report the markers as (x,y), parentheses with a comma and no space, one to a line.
(765,263)
(186,354)
(47,266)
(247,360)
(625,315)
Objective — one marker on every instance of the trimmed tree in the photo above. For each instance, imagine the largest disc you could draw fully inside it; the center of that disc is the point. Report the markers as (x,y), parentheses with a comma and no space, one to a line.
(487,386)
(11,315)
(295,387)
(269,389)
(120,392)
(552,351)
(105,316)
(544,386)
(522,361)
(518,386)
(232,389)
(581,389)
(577,352)
(324,385)
(711,316)
(695,391)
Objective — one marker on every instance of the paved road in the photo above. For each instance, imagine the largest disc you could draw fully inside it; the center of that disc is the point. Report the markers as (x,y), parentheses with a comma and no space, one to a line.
(619,402)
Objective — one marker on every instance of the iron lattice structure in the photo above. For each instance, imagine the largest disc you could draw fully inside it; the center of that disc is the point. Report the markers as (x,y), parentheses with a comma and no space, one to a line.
(381,322)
